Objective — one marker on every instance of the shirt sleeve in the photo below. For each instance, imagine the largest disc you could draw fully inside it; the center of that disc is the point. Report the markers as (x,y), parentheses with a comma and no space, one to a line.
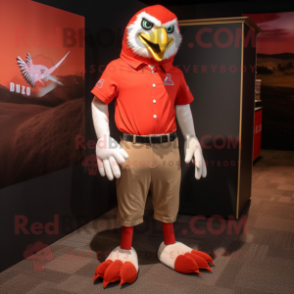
(184,95)
(106,89)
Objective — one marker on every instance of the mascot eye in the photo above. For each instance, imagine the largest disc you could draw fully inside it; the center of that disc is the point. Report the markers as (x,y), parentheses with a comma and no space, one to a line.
(147,25)
(170,29)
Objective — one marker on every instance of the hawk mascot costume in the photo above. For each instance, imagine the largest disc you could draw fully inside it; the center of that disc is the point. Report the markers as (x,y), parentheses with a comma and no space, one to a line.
(150,93)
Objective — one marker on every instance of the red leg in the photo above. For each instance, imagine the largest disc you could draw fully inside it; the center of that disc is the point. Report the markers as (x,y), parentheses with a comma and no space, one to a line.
(126,238)
(168,233)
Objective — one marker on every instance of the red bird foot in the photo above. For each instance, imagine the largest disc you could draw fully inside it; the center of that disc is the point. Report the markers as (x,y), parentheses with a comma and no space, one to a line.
(183,259)
(121,265)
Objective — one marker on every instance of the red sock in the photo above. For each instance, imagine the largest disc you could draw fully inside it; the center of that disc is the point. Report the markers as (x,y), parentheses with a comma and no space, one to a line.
(168,233)
(126,238)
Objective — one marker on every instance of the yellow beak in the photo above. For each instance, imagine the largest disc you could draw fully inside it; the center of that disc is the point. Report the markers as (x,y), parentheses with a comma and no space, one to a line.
(156,42)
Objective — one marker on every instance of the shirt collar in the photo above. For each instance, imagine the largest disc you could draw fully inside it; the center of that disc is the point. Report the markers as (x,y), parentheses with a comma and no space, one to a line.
(166,66)
(135,63)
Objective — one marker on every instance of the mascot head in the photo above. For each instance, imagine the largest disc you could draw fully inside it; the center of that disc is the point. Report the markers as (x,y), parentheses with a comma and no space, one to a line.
(152,35)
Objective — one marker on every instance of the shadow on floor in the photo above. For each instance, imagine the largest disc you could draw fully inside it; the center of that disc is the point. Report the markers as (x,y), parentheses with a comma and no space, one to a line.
(214,235)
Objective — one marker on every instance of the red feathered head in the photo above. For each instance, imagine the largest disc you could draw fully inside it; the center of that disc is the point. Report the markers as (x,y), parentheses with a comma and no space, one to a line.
(152,35)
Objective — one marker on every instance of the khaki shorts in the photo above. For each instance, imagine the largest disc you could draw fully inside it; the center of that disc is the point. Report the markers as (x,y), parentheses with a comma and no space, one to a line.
(155,166)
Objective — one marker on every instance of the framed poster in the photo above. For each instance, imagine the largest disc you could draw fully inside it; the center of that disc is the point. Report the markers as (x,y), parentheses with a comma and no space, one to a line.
(41,89)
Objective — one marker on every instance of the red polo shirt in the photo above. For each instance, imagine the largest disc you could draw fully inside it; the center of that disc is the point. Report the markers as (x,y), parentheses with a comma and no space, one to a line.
(145,99)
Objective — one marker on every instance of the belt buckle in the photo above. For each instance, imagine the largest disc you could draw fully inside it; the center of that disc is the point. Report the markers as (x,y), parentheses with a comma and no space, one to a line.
(155,137)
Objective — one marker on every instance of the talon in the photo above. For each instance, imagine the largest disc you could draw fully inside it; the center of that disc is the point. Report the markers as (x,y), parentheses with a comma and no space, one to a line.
(121,265)
(105,284)
(112,273)
(201,262)
(203,255)
(186,265)
(128,273)
(101,268)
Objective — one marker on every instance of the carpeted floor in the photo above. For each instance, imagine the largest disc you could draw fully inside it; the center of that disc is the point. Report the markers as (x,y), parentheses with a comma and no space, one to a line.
(260,261)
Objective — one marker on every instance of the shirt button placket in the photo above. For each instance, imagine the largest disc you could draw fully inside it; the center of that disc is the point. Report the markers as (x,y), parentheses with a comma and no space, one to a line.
(154,102)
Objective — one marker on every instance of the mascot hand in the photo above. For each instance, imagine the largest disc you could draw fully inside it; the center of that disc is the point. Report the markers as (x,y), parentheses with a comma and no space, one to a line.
(193,152)
(109,154)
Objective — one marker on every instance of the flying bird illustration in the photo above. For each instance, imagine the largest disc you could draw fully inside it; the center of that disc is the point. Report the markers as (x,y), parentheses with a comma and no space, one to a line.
(36,73)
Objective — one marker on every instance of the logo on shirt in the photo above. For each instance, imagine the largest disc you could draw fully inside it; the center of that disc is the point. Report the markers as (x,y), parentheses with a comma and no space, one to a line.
(100,83)
(168,80)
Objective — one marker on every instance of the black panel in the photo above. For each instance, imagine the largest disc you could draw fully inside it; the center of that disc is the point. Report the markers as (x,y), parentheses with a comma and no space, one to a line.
(216,110)
(247,120)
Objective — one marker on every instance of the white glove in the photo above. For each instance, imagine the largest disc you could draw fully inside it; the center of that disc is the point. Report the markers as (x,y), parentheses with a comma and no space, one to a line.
(193,150)
(109,153)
